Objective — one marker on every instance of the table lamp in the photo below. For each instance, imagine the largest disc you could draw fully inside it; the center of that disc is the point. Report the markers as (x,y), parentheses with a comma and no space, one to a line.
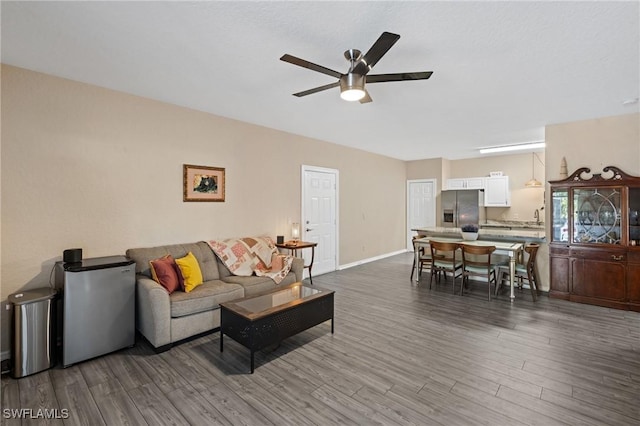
(295,232)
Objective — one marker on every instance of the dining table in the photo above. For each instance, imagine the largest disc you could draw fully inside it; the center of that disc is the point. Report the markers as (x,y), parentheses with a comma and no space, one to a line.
(511,249)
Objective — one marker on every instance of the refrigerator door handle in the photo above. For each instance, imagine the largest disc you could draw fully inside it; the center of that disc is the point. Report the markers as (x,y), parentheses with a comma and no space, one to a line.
(456,219)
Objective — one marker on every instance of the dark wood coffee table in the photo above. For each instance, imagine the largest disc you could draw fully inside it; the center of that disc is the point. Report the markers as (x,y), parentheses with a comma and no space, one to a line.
(268,318)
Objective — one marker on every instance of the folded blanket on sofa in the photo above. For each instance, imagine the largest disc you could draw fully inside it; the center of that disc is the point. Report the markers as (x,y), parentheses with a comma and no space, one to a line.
(246,256)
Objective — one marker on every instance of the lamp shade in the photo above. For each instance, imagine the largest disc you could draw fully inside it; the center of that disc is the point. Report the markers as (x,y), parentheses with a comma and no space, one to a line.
(295,231)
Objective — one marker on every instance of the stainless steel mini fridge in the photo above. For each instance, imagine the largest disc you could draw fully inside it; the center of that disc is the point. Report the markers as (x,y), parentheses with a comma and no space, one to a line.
(98,307)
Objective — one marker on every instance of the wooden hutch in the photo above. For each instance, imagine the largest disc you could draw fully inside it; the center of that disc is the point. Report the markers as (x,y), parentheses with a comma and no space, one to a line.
(594,249)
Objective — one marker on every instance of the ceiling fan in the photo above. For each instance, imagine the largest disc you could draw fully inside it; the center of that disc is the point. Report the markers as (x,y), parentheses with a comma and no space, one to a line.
(352,84)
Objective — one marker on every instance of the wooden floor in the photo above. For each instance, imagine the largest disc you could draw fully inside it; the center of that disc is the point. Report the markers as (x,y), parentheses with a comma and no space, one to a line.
(401,354)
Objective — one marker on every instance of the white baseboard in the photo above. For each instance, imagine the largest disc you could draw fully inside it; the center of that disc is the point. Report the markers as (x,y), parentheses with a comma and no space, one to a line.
(4,355)
(371,259)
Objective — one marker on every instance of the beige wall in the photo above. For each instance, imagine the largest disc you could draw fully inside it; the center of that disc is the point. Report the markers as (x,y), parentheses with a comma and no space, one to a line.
(524,201)
(608,141)
(102,170)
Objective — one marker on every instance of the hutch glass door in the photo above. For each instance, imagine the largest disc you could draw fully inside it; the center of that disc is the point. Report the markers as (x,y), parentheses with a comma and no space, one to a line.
(596,215)
(634,216)
(560,215)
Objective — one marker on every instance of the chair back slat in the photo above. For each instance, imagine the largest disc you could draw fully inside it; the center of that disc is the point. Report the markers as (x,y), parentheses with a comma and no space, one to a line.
(477,256)
(442,248)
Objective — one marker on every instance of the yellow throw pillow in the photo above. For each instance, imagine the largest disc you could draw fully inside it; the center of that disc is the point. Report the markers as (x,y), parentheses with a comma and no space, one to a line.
(190,271)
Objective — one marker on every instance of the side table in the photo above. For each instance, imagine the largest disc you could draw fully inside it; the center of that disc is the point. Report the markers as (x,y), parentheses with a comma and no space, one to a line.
(294,246)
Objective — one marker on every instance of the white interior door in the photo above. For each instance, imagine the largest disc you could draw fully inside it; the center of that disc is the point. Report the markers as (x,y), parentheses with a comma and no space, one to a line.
(421,206)
(319,217)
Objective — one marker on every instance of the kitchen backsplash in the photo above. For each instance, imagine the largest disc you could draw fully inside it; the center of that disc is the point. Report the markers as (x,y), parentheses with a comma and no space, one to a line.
(513,224)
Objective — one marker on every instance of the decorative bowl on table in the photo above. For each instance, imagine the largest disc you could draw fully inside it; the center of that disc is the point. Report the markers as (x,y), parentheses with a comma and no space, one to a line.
(469,232)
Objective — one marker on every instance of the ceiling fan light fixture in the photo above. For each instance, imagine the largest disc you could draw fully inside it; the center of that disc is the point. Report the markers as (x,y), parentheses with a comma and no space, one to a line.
(352,87)
(352,95)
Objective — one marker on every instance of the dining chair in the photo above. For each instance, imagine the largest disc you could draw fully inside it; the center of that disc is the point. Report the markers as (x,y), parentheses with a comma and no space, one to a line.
(424,258)
(443,260)
(524,271)
(476,262)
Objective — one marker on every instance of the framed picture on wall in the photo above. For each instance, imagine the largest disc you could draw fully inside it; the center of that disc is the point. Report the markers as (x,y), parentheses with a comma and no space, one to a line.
(202,183)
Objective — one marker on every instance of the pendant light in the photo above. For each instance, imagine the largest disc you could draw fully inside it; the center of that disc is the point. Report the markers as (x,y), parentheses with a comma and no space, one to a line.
(533,182)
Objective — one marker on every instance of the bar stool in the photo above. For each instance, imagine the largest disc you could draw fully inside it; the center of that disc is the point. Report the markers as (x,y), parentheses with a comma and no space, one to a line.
(524,271)
(476,262)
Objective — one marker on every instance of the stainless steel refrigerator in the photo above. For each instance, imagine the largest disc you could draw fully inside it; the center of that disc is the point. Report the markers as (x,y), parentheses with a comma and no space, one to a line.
(462,207)
(98,306)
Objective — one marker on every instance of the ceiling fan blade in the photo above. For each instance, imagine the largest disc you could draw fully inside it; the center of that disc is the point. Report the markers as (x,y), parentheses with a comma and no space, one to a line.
(401,76)
(317,89)
(377,51)
(366,98)
(309,65)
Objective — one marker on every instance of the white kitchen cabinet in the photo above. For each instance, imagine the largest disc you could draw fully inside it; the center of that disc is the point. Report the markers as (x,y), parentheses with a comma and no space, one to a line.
(466,183)
(496,192)
(455,183)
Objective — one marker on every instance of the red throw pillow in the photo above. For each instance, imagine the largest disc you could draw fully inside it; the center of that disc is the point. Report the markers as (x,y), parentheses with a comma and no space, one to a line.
(163,271)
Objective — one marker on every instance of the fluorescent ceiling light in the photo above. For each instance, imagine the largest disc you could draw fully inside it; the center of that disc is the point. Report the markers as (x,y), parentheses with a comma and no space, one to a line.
(518,147)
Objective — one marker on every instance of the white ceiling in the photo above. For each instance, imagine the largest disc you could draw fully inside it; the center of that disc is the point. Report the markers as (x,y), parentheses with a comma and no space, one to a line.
(502,70)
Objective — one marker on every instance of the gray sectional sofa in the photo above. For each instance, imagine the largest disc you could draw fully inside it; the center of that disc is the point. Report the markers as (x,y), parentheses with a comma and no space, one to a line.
(164,318)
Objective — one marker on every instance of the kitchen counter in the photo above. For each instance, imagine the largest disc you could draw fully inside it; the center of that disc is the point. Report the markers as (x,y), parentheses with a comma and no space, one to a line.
(523,234)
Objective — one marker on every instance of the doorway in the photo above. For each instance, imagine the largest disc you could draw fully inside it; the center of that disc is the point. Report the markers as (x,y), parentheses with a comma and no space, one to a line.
(421,206)
(320,216)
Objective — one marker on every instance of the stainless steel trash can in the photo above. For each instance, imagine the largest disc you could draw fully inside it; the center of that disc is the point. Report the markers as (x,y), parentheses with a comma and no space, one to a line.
(34,327)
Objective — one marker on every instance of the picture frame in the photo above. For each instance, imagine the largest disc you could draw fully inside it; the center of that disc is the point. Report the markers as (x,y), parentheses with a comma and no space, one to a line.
(203,183)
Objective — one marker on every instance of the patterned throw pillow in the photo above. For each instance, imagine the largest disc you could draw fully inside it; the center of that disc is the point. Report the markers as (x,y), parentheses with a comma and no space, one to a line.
(164,272)
(280,267)
(190,271)
(277,261)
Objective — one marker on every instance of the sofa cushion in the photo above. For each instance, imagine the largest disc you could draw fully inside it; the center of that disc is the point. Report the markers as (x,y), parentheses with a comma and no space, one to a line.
(254,284)
(205,297)
(206,259)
